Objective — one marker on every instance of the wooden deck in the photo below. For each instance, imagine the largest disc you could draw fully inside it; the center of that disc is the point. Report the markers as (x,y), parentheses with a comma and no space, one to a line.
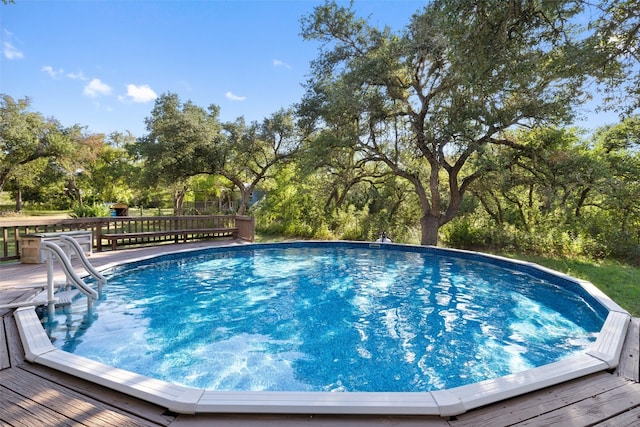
(33,395)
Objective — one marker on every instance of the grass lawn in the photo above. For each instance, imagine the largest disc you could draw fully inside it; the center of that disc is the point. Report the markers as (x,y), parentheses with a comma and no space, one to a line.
(620,282)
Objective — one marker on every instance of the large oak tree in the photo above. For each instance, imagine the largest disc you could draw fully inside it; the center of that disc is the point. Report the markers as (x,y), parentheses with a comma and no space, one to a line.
(27,138)
(251,151)
(183,141)
(427,102)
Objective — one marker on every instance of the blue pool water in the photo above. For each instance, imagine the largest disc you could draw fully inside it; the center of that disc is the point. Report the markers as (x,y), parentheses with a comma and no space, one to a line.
(328,317)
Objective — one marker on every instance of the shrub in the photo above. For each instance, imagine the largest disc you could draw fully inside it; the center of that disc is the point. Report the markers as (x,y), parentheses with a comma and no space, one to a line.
(86,211)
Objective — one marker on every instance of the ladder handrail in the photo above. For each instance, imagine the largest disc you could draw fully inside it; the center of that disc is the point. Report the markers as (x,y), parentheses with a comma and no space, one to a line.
(73,243)
(68,270)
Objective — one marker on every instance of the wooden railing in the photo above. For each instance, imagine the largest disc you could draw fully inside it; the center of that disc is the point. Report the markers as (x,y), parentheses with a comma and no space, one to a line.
(150,230)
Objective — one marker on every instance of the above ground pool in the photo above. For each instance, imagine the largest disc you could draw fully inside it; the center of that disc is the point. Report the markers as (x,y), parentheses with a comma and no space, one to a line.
(336,327)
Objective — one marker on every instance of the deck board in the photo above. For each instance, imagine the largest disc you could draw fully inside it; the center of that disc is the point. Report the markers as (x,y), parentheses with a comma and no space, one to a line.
(595,409)
(14,343)
(532,405)
(629,366)
(9,296)
(36,394)
(5,362)
(630,418)
(129,404)
(15,410)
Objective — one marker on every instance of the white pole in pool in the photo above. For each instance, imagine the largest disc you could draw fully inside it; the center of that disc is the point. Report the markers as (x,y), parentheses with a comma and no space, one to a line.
(51,306)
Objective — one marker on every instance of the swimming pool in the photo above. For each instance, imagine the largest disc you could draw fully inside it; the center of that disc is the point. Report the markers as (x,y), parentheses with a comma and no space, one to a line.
(358,299)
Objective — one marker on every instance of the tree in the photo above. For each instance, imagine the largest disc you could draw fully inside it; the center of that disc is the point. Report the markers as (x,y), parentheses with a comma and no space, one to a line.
(428,102)
(76,164)
(616,33)
(252,151)
(183,141)
(25,137)
(112,175)
(564,193)
(546,183)
(617,148)
(25,178)
(28,144)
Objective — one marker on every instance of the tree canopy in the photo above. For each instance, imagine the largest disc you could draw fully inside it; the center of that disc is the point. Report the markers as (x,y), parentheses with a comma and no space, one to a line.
(252,151)
(183,141)
(427,102)
(26,137)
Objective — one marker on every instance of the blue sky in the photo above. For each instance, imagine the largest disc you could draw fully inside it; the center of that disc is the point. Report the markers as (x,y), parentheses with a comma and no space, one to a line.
(101,64)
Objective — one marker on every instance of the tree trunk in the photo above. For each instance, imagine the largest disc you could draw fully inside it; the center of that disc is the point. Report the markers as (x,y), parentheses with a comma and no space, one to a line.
(583,197)
(4,177)
(178,201)
(245,196)
(244,201)
(429,225)
(19,199)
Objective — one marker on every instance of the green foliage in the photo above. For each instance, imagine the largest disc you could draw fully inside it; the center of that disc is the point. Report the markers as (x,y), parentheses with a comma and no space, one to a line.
(252,152)
(114,174)
(561,194)
(461,233)
(307,208)
(475,231)
(290,209)
(26,137)
(86,211)
(183,141)
(615,27)
(429,103)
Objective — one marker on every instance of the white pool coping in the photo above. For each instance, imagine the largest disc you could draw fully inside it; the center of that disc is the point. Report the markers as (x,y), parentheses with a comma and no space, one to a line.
(603,354)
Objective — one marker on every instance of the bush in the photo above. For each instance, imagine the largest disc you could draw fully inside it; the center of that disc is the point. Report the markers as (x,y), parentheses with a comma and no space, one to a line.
(463,233)
(86,211)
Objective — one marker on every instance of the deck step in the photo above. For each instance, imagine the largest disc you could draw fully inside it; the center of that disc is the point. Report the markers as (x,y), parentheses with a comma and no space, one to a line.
(40,297)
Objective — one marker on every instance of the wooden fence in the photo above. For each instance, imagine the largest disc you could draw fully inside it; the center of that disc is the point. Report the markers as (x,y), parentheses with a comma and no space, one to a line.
(121,231)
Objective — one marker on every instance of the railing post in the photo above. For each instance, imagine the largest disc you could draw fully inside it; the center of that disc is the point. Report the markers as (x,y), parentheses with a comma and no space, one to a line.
(5,243)
(246,227)
(99,236)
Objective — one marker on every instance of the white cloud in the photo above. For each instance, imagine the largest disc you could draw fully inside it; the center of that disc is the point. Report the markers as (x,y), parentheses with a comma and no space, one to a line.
(233,97)
(279,63)
(77,76)
(53,73)
(95,88)
(11,52)
(141,94)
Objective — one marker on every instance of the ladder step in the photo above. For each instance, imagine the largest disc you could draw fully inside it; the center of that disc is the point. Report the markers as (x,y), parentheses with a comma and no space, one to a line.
(66,297)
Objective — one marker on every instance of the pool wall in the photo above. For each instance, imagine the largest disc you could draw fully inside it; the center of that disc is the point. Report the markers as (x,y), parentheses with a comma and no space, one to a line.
(603,354)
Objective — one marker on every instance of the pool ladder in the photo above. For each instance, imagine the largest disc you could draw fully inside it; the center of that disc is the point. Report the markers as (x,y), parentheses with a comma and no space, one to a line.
(72,279)
(55,250)
(70,245)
